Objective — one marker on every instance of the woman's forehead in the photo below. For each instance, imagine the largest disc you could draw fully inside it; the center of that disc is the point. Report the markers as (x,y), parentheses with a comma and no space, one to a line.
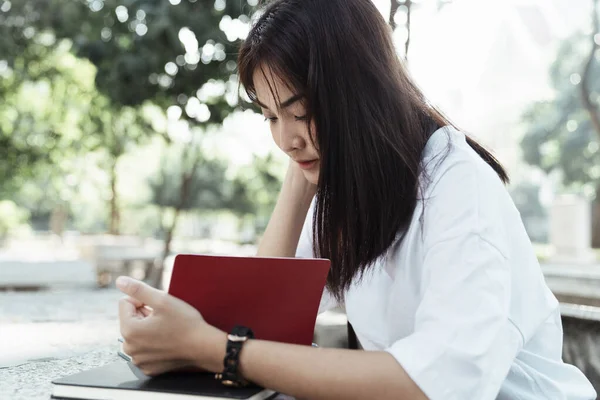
(271,90)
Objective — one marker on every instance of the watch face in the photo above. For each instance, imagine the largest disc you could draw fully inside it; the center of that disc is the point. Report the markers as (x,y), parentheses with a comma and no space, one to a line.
(242,331)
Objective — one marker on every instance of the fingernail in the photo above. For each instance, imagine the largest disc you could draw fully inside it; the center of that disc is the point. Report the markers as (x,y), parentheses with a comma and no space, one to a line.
(122,282)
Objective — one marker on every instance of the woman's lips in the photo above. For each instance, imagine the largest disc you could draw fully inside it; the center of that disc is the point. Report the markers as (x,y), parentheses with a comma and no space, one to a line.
(306,165)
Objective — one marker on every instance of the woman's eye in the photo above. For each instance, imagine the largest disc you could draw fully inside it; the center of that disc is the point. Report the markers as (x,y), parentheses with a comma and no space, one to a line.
(271,119)
(301,118)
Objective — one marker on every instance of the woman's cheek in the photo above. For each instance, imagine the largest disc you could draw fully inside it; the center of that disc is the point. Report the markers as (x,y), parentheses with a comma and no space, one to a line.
(276,138)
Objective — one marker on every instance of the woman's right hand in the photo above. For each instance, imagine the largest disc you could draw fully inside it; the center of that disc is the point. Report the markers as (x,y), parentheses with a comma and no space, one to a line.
(297,181)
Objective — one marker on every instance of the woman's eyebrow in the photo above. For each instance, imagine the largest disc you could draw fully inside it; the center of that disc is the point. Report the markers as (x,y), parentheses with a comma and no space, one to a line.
(291,101)
(261,104)
(284,104)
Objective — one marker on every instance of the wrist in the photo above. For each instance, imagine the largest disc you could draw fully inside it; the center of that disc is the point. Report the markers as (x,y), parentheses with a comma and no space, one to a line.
(231,374)
(299,188)
(220,350)
(209,355)
(297,196)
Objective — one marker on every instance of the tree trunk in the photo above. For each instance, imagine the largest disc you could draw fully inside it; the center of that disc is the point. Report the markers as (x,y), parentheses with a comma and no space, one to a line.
(187,178)
(585,89)
(593,111)
(408,4)
(596,221)
(156,275)
(115,215)
(393,11)
(169,234)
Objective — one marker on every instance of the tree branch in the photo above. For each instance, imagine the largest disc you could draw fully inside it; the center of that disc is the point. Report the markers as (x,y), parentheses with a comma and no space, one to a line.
(584,87)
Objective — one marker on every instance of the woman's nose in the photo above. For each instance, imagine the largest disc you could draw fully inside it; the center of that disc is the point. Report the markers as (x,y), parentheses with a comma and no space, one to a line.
(290,139)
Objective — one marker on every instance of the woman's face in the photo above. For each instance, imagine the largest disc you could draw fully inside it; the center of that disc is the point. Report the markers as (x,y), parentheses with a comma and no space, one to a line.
(287,120)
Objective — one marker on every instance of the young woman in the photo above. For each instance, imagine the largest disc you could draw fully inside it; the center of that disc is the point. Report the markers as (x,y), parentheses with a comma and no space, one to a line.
(429,255)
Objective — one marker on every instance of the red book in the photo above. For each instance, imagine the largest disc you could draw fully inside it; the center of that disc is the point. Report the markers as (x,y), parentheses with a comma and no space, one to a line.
(278,298)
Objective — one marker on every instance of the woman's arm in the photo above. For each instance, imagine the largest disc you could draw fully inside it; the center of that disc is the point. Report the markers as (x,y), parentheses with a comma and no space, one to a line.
(318,373)
(283,231)
(300,371)
(306,372)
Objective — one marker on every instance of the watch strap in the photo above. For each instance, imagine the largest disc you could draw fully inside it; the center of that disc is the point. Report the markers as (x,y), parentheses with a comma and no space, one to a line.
(235,341)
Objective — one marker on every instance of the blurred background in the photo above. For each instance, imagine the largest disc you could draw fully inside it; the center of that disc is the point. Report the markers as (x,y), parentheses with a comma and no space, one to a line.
(124,140)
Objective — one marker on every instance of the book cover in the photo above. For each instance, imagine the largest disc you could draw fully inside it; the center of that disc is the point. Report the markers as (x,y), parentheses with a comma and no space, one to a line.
(122,380)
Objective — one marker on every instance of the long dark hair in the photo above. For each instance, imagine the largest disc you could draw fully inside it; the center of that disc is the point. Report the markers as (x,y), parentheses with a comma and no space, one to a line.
(372,122)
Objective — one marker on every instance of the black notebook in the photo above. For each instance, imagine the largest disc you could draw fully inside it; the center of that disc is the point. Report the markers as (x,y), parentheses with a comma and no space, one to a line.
(122,380)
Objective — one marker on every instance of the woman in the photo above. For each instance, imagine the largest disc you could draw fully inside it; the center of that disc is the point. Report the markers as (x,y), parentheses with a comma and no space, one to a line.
(429,255)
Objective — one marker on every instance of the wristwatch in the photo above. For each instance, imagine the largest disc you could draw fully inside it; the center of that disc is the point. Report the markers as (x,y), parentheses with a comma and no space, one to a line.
(235,340)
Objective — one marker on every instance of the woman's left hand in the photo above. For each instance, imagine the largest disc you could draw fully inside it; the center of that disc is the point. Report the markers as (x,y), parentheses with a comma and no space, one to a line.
(168,335)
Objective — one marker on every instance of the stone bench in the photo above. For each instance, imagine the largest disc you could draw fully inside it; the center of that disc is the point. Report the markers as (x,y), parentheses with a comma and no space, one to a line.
(32,275)
(116,255)
(581,343)
(574,284)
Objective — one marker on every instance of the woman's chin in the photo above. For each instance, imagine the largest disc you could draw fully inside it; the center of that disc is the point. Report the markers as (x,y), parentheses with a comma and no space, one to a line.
(312,176)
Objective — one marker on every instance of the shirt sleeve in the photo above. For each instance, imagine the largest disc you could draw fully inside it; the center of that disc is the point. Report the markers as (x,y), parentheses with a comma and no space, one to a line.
(305,250)
(463,342)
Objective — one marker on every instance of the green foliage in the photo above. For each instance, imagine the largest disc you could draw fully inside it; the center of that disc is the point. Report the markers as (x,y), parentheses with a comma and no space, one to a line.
(143,49)
(11,217)
(526,196)
(75,78)
(16,161)
(186,165)
(54,120)
(559,134)
(114,129)
(254,190)
(38,117)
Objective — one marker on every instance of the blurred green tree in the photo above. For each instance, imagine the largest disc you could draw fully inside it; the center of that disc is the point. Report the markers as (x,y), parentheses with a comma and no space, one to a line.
(11,217)
(113,131)
(253,192)
(38,120)
(187,180)
(172,53)
(25,138)
(52,115)
(526,196)
(563,133)
(178,54)
(158,50)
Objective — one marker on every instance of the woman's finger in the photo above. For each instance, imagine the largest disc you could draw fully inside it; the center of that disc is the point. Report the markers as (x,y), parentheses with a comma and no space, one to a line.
(142,309)
(161,367)
(143,357)
(145,310)
(141,291)
(126,310)
(137,303)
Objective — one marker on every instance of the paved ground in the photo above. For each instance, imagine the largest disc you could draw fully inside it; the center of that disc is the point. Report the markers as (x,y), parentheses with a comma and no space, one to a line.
(55,324)
(49,334)
(32,381)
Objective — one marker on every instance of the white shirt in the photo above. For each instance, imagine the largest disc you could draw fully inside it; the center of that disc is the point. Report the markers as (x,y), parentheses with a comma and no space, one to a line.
(461,302)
